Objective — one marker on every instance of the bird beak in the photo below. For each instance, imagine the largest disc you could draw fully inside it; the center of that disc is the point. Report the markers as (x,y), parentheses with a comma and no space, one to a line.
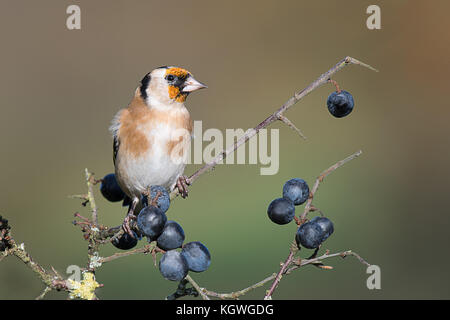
(192,85)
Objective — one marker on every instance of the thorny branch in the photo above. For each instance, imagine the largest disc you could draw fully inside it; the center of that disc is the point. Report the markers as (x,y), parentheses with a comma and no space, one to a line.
(277,115)
(51,281)
(290,264)
(321,177)
(308,208)
(296,263)
(97,234)
(145,249)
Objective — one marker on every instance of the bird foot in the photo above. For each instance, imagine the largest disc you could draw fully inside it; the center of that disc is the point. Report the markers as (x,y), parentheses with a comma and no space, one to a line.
(129,218)
(126,224)
(147,199)
(182,184)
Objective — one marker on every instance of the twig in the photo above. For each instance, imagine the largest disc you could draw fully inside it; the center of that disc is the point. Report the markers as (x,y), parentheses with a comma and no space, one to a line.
(93,243)
(197,287)
(42,295)
(237,294)
(327,256)
(51,281)
(320,178)
(291,125)
(299,263)
(280,273)
(357,256)
(145,249)
(90,196)
(79,196)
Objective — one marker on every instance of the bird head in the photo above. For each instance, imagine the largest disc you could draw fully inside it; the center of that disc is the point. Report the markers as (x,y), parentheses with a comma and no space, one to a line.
(168,85)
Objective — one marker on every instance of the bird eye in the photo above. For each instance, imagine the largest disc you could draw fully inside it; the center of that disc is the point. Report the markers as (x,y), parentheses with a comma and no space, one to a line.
(170,77)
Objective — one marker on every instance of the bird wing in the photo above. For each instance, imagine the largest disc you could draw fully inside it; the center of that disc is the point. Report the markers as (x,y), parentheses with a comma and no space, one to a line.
(114,129)
(116,144)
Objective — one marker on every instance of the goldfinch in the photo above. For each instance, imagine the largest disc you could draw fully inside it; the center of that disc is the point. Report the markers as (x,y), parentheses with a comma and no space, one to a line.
(152,136)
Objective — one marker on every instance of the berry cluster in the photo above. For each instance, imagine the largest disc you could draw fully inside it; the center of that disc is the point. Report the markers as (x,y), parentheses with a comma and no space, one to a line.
(282,211)
(169,235)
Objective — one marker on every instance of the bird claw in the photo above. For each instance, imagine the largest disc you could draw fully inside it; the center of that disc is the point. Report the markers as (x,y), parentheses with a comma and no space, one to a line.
(126,224)
(130,216)
(182,184)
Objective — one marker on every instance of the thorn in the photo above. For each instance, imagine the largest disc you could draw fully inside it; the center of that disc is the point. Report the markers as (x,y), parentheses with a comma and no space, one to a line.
(78,196)
(297,262)
(326,267)
(56,273)
(290,125)
(357,62)
(85,220)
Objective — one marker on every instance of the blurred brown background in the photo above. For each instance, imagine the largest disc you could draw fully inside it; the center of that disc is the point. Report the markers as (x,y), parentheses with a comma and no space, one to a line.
(59,90)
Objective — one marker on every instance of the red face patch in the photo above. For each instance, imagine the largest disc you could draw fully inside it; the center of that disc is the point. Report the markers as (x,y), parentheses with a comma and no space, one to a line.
(174,92)
(179,72)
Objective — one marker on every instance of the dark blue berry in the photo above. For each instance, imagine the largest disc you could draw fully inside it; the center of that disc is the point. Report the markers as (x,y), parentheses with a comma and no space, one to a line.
(296,190)
(126,201)
(340,104)
(110,189)
(197,256)
(125,242)
(163,201)
(172,236)
(309,235)
(325,224)
(173,266)
(151,221)
(281,211)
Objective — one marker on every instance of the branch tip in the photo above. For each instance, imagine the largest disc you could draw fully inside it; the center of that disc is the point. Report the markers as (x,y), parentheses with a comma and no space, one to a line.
(360,63)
